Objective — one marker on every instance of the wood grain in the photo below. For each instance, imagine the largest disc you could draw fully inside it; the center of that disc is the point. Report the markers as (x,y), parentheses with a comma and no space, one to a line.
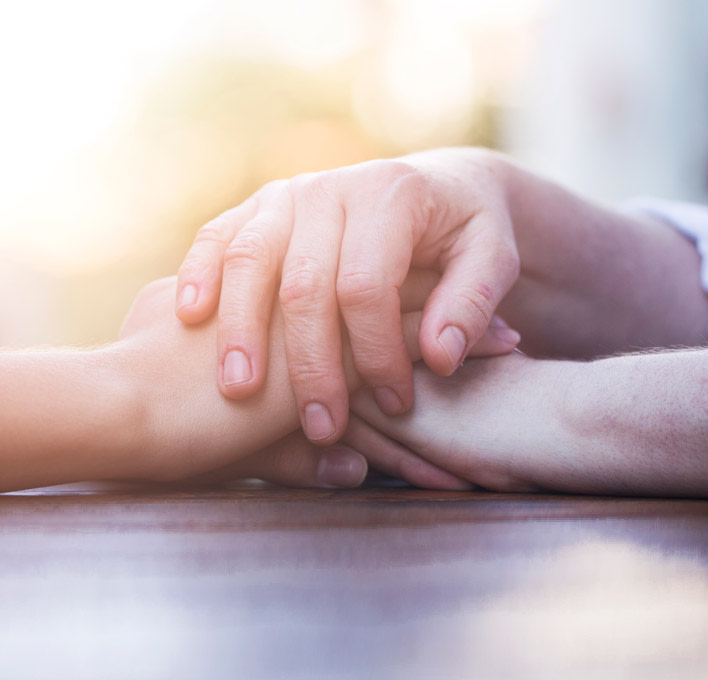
(128,581)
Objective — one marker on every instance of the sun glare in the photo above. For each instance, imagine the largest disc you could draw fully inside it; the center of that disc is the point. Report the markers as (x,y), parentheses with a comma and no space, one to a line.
(124,126)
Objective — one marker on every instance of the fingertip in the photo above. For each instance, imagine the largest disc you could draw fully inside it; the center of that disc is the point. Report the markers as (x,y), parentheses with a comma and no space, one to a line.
(425,475)
(499,338)
(341,467)
(322,424)
(453,342)
(394,401)
(444,350)
(507,337)
(192,304)
(239,374)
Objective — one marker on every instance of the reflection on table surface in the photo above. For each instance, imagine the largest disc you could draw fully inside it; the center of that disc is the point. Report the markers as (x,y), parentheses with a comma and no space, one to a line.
(255,582)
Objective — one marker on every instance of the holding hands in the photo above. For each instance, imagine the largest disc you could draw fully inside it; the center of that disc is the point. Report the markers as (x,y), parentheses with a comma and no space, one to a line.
(578,280)
(337,246)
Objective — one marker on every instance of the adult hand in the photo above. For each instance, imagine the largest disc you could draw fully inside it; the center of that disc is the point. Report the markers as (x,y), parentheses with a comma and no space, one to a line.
(295,462)
(626,425)
(497,423)
(186,427)
(342,242)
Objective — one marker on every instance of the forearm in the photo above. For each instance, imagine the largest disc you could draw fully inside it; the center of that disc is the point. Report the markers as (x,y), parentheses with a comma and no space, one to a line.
(636,424)
(594,281)
(65,416)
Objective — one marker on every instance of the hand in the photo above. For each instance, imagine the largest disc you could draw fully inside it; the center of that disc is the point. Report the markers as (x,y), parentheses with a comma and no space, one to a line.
(627,425)
(295,462)
(497,423)
(190,428)
(342,242)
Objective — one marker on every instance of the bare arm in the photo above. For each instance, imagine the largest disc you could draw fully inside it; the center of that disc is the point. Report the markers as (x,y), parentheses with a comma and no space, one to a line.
(629,425)
(140,408)
(594,281)
(338,243)
(641,422)
(145,407)
(65,416)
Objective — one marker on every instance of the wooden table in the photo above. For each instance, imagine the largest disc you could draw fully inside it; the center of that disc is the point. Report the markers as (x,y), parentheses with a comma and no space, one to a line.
(254,582)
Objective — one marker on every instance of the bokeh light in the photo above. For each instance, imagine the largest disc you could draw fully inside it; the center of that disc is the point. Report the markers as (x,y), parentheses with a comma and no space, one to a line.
(124,127)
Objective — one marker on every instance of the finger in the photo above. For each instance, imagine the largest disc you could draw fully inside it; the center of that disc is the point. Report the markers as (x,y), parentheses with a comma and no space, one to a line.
(497,339)
(478,270)
(199,276)
(416,289)
(423,429)
(313,341)
(375,258)
(294,461)
(252,264)
(396,460)
(410,323)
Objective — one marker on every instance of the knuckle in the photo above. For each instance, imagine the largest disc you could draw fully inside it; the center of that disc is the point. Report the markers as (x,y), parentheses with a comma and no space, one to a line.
(407,181)
(376,373)
(305,282)
(315,189)
(504,255)
(307,182)
(272,198)
(213,231)
(409,191)
(270,188)
(478,301)
(249,248)
(359,287)
(311,375)
(239,318)
(510,262)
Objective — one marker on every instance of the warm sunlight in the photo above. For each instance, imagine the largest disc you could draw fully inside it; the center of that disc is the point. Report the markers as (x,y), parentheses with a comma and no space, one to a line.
(125,127)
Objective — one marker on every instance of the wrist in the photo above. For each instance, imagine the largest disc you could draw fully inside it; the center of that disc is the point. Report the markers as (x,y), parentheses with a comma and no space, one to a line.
(540,450)
(119,416)
(125,434)
(156,434)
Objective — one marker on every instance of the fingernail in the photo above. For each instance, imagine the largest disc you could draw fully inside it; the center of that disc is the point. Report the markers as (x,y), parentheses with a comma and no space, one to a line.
(507,335)
(318,422)
(454,342)
(498,322)
(188,296)
(389,402)
(237,368)
(341,468)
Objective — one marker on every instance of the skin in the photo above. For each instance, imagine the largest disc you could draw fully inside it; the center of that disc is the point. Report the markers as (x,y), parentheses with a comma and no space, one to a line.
(342,242)
(591,282)
(594,281)
(629,425)
(146,408)
(576,279)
